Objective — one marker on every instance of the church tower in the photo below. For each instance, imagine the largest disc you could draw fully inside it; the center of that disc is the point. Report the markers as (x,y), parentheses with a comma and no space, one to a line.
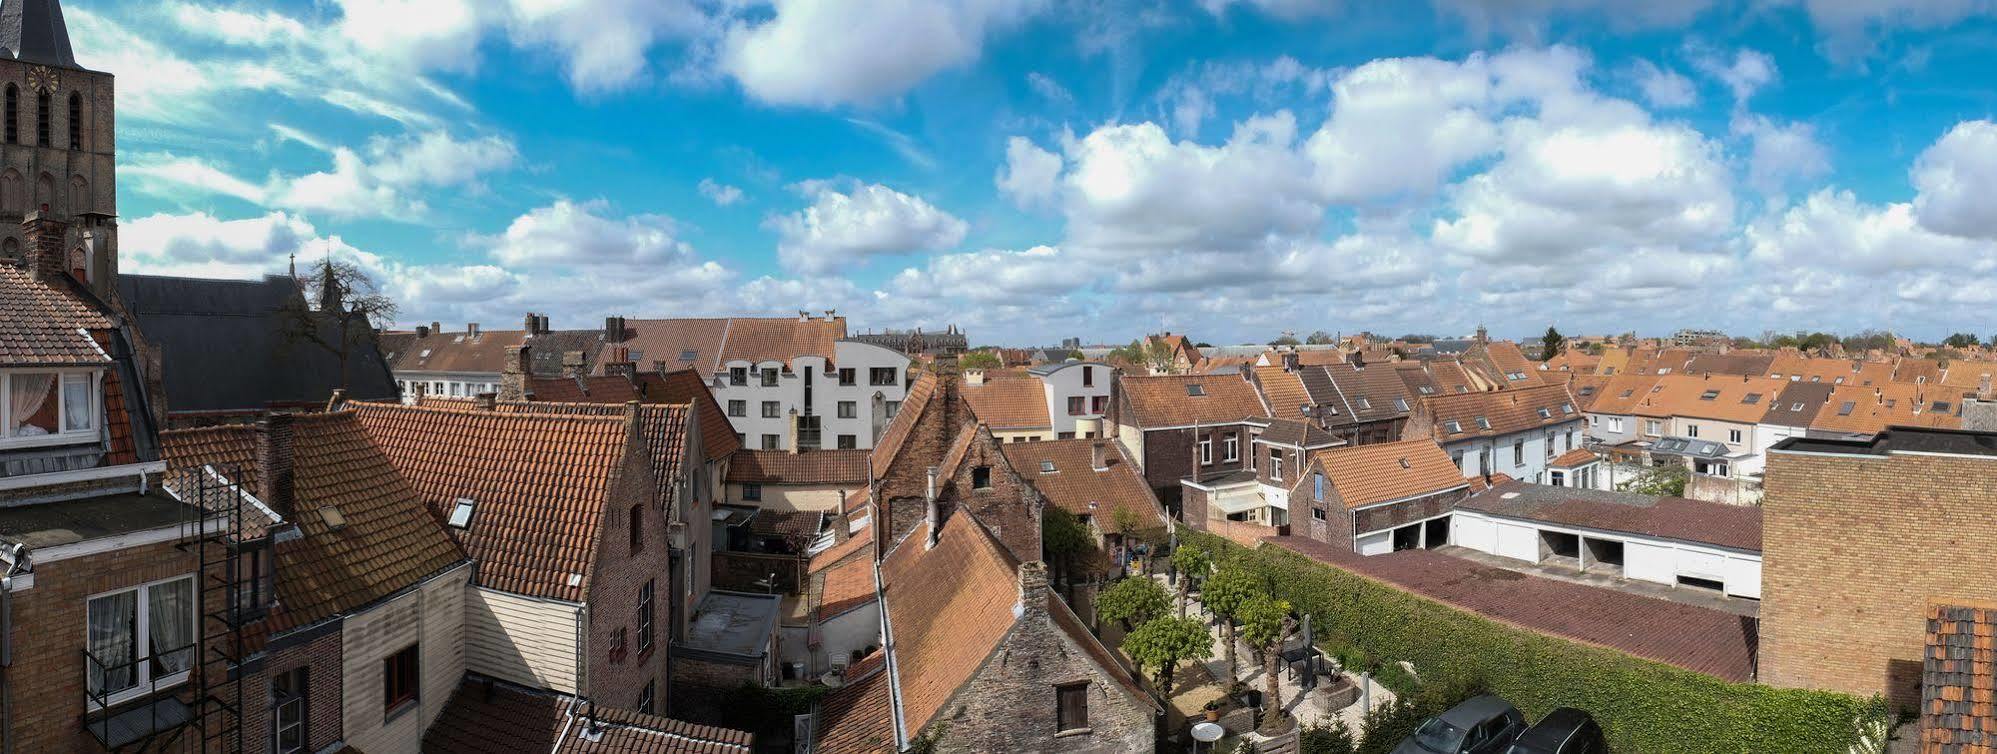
(57,150)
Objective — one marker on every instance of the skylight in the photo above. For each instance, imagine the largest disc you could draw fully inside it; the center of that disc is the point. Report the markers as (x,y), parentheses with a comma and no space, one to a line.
(1751,398)
(1545,413)
(461,513)
(1364,404)
(1796,407)
(1566,408)
(1709,395)
(1453,427)
(1629,392)
(1845,408)
(1196,389)
(689,355)
(1400,404)
(1483,423)
(1404,464)
(1046,467)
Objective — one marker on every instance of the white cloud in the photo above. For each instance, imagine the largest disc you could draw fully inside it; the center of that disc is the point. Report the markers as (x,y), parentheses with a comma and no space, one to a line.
(721,194)
(1528,18)
(169,176)
(566,233)
(1748,72)
(1287,9)
(1663,87)
(385,180)
(604,44)
(1782,153)
(1956,178)
(1029,175)
(849,222)
(425,34)
(1049,89)
(1851,27)
(823,53)
(201,244)
(1194,95)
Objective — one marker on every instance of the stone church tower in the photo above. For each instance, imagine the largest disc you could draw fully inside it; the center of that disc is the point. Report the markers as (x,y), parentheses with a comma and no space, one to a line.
(57,148)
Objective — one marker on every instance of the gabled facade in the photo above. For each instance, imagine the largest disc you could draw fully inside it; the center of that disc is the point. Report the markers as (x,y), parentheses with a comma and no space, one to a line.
(1512,432)
(1186,427)
(1379,498)
(1053,401)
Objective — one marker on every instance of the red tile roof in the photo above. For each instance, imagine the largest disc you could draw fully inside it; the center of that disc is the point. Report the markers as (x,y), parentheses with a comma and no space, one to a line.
(458,352)
(1369,474)
(1179,400)
(541,485)
(717,435)
(1573,458)
(948,607)
(41,323)
(781,339)
(830,467)
(610,388)
(1507,411)
(1959,679)
(1284,392)
(847,585)
(1700,639)
(1077,487)
(858,718)
(502,717)
(1009,403)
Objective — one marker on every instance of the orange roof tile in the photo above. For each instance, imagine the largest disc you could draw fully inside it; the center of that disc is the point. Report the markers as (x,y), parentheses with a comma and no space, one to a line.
(1719,398)
(847,585)
(1179,400)
(948,607)
(805,467)
(1284,392)
(458,352)
(781,339)
(1622,393)
(664,427)
(1573,458)
(41,322)
(857,718)
(685,386)
(1505,411)
(1079,488)
(482,719)
(1370,474)
(1004,404)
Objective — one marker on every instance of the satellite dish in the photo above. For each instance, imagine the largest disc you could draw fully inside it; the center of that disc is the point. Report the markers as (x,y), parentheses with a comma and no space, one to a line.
(1207,733)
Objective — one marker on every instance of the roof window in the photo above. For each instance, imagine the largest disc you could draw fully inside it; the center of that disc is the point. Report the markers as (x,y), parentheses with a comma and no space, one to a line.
(1795,407)
(1483,423)
(1400,404)
(1545,413)
(1452,427)
(689,355)
(1751,398)
(461,514)
(1364,404)
(1196,389)
(1709,395)
(1566,408)
(1845,408)
(1404,464)
(1046,467)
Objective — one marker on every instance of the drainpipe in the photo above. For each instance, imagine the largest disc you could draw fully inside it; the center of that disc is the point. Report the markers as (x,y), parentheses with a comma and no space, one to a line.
(17,557)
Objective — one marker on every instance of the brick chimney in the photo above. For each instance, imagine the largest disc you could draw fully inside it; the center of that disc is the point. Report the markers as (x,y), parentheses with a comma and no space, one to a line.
(532,324)
(613,329)
(471,328)
(422,331)
(573,363)
(1033,590)
(625,368)
(486,401)
(1099,456)
(274,463)
(42,252)
(513,376)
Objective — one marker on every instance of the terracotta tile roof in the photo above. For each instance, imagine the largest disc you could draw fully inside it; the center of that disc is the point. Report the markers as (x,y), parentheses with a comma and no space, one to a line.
(1375,392)
(670,340)
(1077,487)
(231,450)
(541,485)
(685,386)
(1586,388)
(896,433)
(458,352)
(1508,365)
(390,540)
(857,718)
(1704,640)
(1314,357)
(1970,376)
(1737,363)
(1621,394)
(1283,391)
(1869,410)
(1370,474)
(1667,361)
(581,389)
(846,547)
(503,717)
(41,323)
(1004,404)
(948,607)
(805,467)
(1449,376)
(1734,526)
(1959,679)
(1917,371)
(1572,360)
(1505,411)
(663,426)
(1573,458)
(847,585)
(1719,398)
(1171,400)
(1415,375)
(781,339)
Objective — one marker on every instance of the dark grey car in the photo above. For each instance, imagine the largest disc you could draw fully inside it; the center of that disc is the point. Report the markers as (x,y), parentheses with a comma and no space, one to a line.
(1481,725)
(1563,731)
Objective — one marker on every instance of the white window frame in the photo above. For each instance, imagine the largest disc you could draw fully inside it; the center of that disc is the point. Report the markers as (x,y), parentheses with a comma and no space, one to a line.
(142,681)
(1205,450)
(63,435)
(1276,466)
(1230,448)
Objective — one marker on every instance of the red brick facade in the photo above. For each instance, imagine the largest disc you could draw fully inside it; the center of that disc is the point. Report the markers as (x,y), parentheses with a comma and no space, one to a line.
(617,678)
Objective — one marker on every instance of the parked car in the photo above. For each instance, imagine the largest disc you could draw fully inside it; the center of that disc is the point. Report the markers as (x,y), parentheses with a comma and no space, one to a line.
(1563,731)
(1481,725)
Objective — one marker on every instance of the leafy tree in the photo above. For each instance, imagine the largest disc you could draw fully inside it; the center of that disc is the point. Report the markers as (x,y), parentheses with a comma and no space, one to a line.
(1063,537)
(345,309)
(1962,340)
(1319,338)
(1225,592)
(980,360)
(1133,601)
(1667,480)
(1326,739)
(1192,562)
(1285,340)
(1164,643)
(1265,623)
(1870,339)
(1551,344)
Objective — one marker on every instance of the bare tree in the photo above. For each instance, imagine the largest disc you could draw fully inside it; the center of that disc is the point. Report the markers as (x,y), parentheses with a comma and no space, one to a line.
(340,306)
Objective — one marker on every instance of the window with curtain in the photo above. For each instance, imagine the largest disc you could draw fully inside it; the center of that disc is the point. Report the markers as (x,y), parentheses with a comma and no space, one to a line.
(141,637)
(31,407)
(47,407)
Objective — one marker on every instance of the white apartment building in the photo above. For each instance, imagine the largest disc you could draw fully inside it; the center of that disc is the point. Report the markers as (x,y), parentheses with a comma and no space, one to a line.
(809,401)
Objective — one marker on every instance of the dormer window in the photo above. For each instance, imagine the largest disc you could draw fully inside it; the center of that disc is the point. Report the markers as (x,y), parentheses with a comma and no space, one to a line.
(48,408)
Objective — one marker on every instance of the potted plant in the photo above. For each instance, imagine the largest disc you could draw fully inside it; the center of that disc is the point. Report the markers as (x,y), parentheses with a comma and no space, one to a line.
(1213,711)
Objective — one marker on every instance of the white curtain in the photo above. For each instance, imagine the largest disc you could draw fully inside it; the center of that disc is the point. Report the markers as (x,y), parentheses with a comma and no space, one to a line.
(170,625)
(28,393)
(113,625)
(76,402)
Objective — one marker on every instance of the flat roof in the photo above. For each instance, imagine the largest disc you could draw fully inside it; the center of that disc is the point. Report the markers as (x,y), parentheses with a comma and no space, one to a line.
(83,519)
(1732,526)
(1900,439)
(734,623)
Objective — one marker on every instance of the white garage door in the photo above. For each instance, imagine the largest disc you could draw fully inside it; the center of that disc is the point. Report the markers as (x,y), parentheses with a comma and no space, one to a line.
(1650,563)
(1521,542)
(1744,576)
(1478,534)
(1700,564)
(1377,544)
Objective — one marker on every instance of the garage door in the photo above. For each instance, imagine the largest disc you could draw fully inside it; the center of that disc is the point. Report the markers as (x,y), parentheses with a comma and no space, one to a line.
(1650,563)
(1478,534)
(1744,576)
(1515,541)
(1699,564)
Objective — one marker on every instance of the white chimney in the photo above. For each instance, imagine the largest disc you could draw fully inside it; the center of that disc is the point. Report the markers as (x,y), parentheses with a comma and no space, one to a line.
(930,514)
(1099,456)
(974,377)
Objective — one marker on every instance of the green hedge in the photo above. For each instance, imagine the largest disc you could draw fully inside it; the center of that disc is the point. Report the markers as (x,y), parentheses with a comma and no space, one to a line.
(1644,706)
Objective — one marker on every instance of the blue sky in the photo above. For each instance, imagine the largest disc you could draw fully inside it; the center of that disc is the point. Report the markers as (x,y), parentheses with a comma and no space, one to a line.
(1038,169)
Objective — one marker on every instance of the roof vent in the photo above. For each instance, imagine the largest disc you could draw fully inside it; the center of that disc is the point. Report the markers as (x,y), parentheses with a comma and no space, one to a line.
(335,520)
(1508,496)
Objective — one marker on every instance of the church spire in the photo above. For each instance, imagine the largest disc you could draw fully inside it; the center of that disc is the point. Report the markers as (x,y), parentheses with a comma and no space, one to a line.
(32,31)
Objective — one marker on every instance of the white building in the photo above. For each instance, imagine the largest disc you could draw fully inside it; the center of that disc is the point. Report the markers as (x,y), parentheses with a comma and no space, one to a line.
(809,401)
(1055,401)
(1514,432)
(1690,544)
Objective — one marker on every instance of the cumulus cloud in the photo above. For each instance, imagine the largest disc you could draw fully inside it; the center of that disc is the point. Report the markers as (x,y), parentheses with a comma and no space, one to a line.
(822,53)
(1956,178)
(570,233)
(1747,72)
(1288,9)
(1663,87)
(721,194)
(1029,175)
(1782,153)
(849,222)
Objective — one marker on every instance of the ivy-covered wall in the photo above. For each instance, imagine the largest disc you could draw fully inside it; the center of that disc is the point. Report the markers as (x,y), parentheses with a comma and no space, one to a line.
(1644,706)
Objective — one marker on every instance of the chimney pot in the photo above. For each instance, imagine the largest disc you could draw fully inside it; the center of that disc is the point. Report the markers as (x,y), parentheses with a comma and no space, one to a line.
(422,331)
(42,250)
(436,327)
(471,328)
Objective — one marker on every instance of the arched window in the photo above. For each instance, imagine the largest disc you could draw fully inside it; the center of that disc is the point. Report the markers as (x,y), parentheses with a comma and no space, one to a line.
(75,120)
(42,135)
(79,195)
(13,114)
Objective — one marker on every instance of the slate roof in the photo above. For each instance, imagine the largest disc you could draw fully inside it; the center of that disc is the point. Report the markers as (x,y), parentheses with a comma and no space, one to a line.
(1370,474)
(1507,411)
(501,717)
(831,467)
(41,323)
(540,483)
(948,607)
(1078,488)
(234,345)
(1959,679)
(1167,401)
(1704,640)
(1004,404)
(1733,526)
(1798,403)
(32,31)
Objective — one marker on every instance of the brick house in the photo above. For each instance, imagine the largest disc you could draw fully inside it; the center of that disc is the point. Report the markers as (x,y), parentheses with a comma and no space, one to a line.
(360,616)
(1374,499)
(1186,427)
(1356,402)
(1092,479)
(1515,432)
(1858,538)
(981,656)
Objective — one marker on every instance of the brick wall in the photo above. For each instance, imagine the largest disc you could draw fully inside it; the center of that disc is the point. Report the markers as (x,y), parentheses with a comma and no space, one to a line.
(1404,513)
(906,480)
(744,571)
(616,581)
(320,657)
(1010,704)
(1168,454)
(48,674)
(1010,507)
(1853,548)
(1335,528)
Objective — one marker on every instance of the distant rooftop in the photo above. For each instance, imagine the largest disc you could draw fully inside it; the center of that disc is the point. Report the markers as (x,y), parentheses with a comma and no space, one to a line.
(1900,440)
